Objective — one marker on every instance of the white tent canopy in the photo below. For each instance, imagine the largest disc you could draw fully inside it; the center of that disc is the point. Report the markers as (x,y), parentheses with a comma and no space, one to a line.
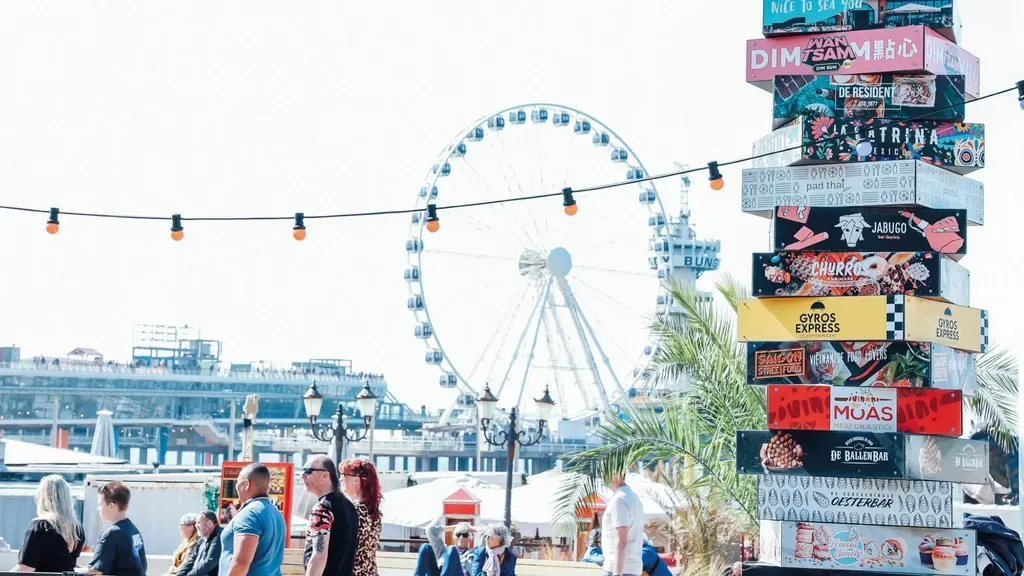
(25,454)
(532,504)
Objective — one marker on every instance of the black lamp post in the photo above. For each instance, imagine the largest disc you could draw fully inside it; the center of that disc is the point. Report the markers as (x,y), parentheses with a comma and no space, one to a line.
(486,404)
(366,401)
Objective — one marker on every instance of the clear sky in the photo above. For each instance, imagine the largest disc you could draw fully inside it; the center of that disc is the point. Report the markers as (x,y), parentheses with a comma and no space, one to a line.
(228,108)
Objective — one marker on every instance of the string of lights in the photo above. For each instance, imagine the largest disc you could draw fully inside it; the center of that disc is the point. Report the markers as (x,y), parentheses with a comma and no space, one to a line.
(433,223)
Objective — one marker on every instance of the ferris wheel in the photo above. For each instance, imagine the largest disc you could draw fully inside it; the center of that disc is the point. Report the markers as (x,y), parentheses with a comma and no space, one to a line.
(521,296)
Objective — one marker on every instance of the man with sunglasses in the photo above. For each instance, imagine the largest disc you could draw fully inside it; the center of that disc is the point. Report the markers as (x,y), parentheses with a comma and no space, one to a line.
(253,542)
(435,559)
(331,537)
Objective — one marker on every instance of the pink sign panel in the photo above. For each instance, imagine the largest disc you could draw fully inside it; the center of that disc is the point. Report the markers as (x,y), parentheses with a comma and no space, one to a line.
(880,51)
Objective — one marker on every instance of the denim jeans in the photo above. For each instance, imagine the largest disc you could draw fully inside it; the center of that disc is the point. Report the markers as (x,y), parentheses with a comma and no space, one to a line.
(426,562)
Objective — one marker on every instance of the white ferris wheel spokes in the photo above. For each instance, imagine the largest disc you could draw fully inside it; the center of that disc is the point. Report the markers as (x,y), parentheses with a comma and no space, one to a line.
(523,296)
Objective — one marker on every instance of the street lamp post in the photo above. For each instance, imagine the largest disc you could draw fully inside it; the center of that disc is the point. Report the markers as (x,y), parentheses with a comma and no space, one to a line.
(366,402)
(486,404)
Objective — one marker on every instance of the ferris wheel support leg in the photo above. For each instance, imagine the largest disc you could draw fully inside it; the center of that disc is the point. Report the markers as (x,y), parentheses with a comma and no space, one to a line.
(574,313)
(536,334)
(597,343)
(539,306)
(575,369)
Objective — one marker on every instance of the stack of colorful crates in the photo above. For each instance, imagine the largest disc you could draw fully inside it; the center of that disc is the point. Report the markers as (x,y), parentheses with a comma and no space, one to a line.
(860,327)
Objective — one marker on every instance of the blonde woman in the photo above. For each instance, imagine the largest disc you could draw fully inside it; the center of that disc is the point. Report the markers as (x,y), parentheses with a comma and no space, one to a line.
(54,538)
(190,536)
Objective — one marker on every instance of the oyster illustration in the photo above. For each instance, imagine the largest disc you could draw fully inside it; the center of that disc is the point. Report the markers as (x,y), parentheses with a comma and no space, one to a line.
(792,481)
(911,503)
(780,514)
(918,486)
(816,516)
(798,500)
(842,483)
(893,485)
(931,521)
(830,482)
(936,504)
(855,518)
(816,482)
(879,484)
(879,518)
(820,499)
(784,498)
(931,487)
(805,482)
(841,517)
(943,487)
(791,515)
(773,497)
(766,514)
(918,520)
(891,520)
(830,516)
(904,520)
(943,522)
(947,506)
(855,483)
(804,516)
(922,503)
(762,496)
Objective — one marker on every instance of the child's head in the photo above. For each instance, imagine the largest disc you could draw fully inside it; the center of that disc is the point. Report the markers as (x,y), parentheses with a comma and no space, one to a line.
(113,500)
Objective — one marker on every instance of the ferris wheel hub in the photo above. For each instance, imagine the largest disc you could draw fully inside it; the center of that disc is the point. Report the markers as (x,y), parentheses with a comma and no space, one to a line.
(559,262)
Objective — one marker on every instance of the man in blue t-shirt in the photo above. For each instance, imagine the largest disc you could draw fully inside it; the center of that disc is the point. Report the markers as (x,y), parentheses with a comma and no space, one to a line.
(253,543)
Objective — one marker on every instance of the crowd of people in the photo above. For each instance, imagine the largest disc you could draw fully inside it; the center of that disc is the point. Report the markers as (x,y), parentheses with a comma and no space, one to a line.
(342,537)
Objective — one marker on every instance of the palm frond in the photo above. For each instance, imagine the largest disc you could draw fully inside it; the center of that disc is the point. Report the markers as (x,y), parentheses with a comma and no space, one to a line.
(994,405)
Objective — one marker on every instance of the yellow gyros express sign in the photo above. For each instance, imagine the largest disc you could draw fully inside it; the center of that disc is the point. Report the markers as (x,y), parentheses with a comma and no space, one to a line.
(859,318)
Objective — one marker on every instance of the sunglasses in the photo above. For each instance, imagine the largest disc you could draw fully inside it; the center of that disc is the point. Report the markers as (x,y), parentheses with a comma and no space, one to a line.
(462,535)
(308,471)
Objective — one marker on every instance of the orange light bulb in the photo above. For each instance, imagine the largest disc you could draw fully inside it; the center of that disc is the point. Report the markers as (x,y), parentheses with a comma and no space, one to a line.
(52,227)
(571,209)
(177,235)
(299,234)
(717,184)
(433,225)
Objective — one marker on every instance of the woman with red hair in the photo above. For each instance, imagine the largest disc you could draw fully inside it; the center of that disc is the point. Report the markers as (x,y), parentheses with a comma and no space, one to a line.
(361,485)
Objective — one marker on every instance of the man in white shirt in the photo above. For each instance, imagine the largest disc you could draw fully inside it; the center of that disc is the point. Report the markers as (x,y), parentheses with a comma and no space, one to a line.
(622,531)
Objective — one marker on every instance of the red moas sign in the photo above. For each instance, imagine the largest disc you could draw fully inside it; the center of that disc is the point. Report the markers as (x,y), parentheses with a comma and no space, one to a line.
(910,410)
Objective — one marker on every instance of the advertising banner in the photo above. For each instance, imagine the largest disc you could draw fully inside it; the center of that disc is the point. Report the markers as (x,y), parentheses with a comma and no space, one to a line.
(861,455)
(911,410)
(780,148)
(955,146)
(874,229)
(925,274)
(900,364)
(863,318)
(869,548)
(890,183)
(783,17)
(897,96)
(282,480)
(954,326)
(911,49)
(856,501)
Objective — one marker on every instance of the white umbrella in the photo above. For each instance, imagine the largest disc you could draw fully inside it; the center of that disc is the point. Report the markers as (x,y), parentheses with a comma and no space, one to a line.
(103,436)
